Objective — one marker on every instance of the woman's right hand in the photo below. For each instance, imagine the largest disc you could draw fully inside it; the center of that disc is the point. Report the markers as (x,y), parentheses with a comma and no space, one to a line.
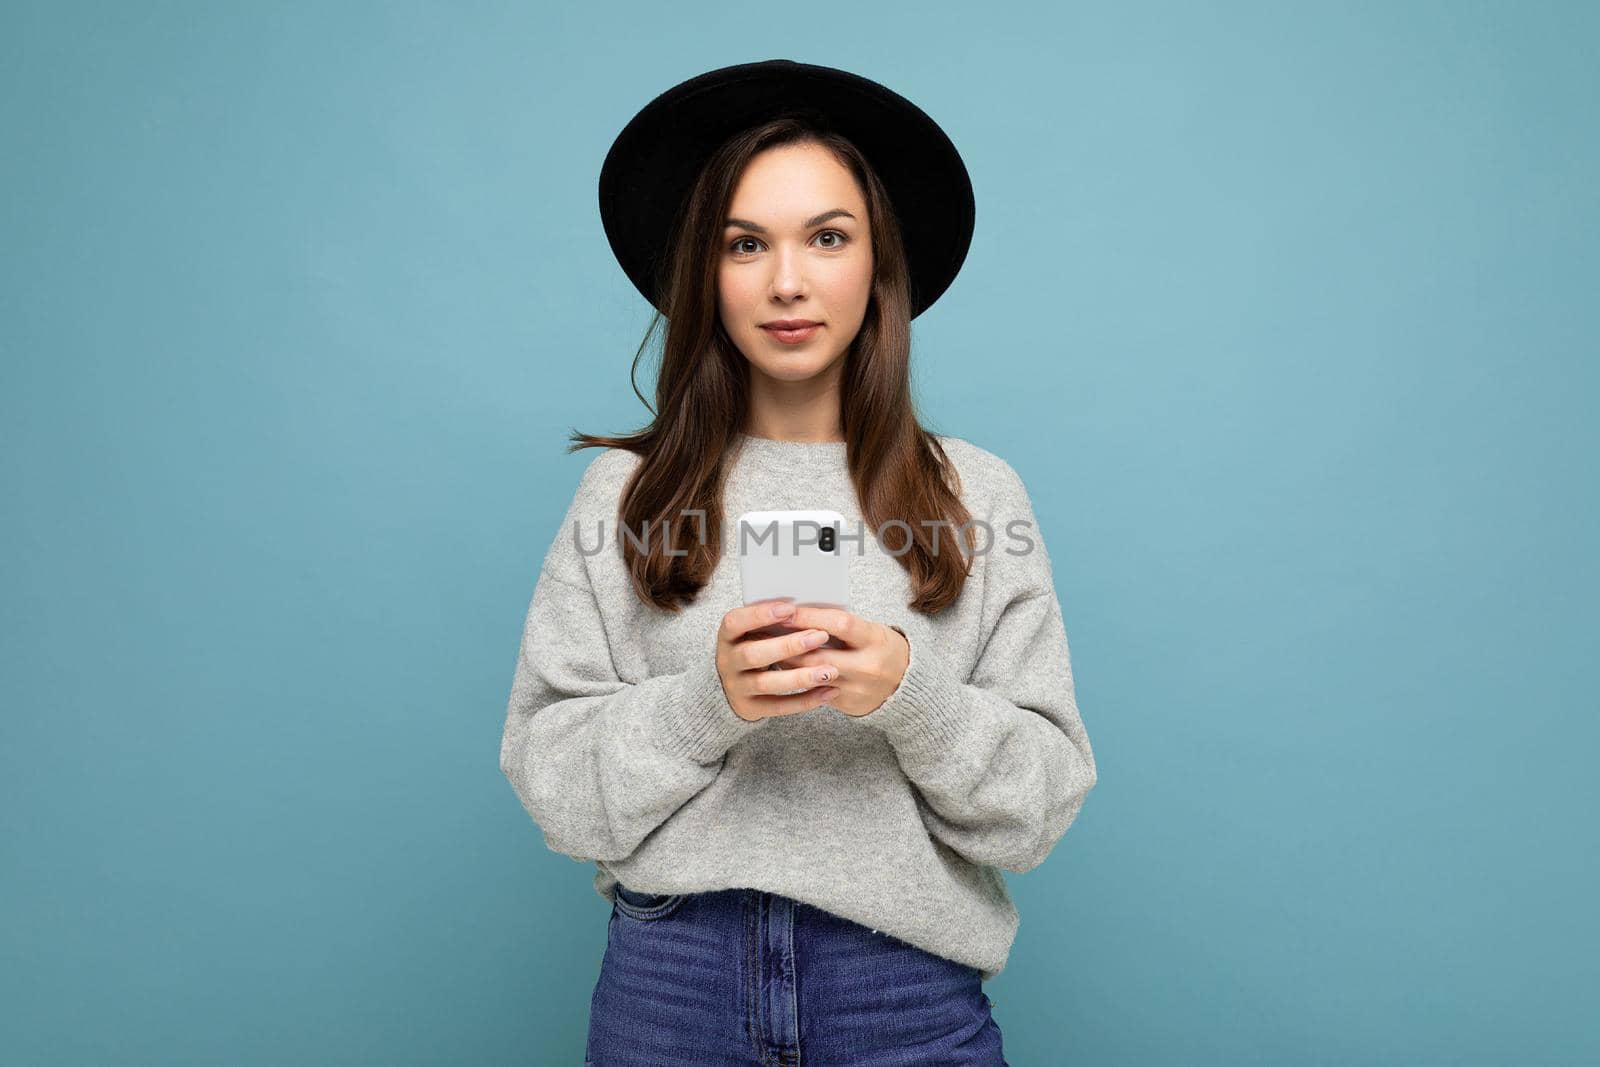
(743,662)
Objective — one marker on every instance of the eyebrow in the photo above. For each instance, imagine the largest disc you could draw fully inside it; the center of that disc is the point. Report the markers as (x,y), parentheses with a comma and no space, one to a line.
(815,220)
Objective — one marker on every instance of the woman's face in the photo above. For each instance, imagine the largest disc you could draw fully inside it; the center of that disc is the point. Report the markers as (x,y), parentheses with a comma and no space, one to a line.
(797,246)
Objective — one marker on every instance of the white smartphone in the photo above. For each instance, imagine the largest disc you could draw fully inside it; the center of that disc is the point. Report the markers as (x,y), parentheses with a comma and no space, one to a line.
(794,556)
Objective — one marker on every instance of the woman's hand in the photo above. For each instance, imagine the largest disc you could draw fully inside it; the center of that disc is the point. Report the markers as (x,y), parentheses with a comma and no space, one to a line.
(743,660)
(870,668)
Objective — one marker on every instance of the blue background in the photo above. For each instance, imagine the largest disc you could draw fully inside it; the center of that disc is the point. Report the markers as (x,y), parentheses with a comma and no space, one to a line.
(1285,314)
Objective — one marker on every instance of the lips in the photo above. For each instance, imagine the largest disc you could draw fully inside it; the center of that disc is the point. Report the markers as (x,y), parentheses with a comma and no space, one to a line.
(792,336)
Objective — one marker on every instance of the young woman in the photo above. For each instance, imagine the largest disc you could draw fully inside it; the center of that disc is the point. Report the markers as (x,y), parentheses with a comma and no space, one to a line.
(801,845)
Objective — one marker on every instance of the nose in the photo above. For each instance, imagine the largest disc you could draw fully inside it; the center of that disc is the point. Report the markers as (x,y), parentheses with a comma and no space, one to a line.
(788,281)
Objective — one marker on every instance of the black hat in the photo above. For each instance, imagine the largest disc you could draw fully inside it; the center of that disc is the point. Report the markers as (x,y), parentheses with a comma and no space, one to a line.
(655,159)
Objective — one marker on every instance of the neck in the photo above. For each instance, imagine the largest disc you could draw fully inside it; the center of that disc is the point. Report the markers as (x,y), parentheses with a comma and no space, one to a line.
(810,431)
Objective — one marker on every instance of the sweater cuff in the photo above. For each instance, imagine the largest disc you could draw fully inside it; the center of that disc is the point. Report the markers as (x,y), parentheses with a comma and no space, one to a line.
(927,709)
(697,722)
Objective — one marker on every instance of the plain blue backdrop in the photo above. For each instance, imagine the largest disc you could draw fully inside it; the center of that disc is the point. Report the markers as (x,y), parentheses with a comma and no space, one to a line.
(1284,312)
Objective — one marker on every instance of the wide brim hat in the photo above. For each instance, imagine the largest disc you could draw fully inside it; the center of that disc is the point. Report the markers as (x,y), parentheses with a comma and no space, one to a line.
(656,158)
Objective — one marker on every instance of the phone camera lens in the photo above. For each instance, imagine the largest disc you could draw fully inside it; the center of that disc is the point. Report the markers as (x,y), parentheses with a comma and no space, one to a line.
(825,539)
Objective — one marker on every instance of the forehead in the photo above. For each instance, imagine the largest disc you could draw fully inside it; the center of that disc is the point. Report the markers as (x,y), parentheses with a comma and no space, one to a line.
(791,182)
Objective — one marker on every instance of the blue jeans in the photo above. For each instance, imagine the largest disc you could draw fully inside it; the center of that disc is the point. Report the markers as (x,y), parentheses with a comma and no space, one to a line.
(744,978)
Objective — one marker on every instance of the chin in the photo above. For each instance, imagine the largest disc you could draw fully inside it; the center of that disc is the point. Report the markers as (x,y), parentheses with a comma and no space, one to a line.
(796,369)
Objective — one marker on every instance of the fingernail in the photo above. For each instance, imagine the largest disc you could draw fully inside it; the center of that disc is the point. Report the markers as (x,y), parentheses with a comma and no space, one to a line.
(825,674)
(820,637)
(780,610)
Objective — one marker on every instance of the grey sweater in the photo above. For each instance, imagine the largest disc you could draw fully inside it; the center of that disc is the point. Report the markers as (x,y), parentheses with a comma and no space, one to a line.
(620,742)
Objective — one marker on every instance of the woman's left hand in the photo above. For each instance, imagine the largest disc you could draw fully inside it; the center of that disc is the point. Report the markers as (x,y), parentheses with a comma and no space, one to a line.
(869,669)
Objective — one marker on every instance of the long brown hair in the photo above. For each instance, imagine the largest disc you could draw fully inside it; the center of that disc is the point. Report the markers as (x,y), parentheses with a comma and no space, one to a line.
(898,469)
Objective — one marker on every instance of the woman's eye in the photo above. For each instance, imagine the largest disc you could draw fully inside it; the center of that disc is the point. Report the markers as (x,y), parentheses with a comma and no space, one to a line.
(738,245)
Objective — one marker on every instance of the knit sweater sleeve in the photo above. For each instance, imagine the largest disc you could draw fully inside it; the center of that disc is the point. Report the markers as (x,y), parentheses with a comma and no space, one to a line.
(599,762)
(1000,759)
